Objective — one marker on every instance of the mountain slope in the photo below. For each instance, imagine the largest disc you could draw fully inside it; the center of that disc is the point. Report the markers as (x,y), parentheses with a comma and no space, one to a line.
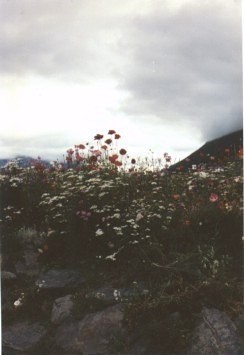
(214,152)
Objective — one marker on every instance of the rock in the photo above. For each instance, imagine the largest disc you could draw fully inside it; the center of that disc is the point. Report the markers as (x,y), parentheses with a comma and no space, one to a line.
(93,334)
(29,265)
(23,336)
(62,308)
(216,334)
(7,276)
(60,278)
(110,295)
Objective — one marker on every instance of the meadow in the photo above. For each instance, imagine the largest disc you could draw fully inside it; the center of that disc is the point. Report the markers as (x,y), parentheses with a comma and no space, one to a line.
(124,220)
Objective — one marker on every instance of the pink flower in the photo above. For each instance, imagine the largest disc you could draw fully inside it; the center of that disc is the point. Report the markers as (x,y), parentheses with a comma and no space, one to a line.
(213,197)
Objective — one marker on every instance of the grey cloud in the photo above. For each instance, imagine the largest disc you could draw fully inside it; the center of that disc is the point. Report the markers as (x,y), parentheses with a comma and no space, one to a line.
(187,66)
(176,66)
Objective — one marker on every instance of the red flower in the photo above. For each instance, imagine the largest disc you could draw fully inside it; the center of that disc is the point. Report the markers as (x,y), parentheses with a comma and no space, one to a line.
(122,151)
(80,146)
(111,131)
(240,152)
(117,136)
(108,141)
(113,158)
(104,147)
(213,197)
(78,157)
(98,137)
(70,151)
(93,158)
(117,163)
(45,247)
(133,161)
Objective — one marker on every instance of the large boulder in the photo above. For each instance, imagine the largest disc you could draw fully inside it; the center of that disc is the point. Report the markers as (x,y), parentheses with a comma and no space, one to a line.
(29,264)
(7,276)
(93,334)
(23,336)
(110,295)
(60,278)
(216,334)
(62,309)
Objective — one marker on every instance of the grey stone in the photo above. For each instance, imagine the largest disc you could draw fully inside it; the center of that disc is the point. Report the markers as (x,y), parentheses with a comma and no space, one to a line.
(61,310)
(110,295)
(7,276)
(23,336)
(60,278)
(93,334)
(216,334)
(29,265)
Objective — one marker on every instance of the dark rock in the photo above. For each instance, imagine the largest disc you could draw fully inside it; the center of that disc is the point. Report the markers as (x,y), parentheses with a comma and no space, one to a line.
(29,265)
(23,336)
(62,308)
(7,276)
(216,334)
(110,295)
(93,334)
(60,278)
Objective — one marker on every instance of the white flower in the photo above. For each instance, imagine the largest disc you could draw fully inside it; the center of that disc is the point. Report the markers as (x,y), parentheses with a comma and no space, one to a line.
(111,257)
(139,217)
(99,232)
(116,215)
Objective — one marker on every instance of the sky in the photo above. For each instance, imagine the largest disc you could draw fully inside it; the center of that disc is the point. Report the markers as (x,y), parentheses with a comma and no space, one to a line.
(165,74)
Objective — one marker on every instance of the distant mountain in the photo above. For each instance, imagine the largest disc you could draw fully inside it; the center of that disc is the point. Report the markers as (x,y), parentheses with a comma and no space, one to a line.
(23,161)
(214,152)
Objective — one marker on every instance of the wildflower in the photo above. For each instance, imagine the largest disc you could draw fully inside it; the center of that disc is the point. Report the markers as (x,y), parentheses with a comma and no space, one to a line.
(117,295)
(45,247)
(113,157)
(111,257)
(98,137)
(81,146)
(117,163)
(18,302)
(99,232)
(104,147)
(93,158)
(122,151)
(111,131)
(117,136)
(213,197)
(139,217)
(176,197)
(133,161)
(108,141)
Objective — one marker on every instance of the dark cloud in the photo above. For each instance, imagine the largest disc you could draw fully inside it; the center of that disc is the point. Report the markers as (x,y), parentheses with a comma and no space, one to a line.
(187,66)
(177,66)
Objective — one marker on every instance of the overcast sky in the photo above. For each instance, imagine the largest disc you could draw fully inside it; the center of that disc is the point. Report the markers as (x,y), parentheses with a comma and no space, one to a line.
(165,74)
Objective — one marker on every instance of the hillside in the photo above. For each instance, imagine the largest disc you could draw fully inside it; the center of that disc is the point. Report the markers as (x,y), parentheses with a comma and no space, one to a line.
(214,152)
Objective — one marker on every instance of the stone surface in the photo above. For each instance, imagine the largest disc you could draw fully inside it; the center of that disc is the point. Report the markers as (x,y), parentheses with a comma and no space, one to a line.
(216,334)
(60,278)
(110,295)
(29,265)
(23,336)
(93,334)
(7,276)
(62,308)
